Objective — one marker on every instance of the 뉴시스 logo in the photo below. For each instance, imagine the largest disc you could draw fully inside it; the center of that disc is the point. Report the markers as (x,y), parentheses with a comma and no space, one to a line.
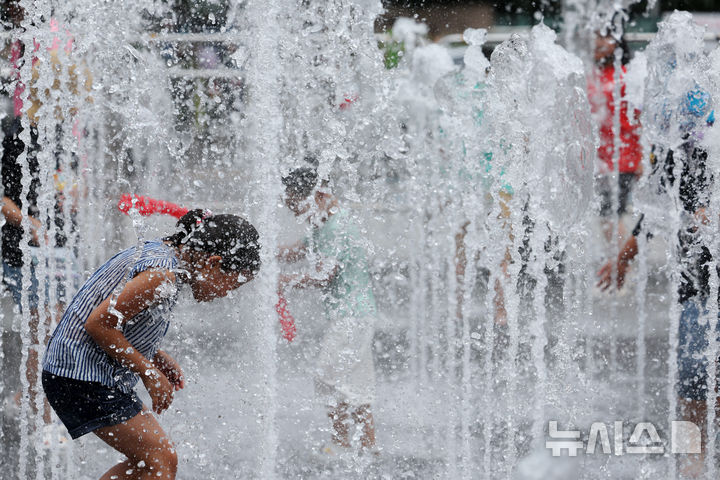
(685,438)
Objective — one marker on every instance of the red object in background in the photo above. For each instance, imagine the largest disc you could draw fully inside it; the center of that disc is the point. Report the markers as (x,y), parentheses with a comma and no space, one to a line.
(147,206)
(348,101)
(287,322)
(601,92)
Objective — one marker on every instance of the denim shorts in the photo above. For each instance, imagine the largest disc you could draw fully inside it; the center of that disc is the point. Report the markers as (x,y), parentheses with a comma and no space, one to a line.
(692,345)
(86,406)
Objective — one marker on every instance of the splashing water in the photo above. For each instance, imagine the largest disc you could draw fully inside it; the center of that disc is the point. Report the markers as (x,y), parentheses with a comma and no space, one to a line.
(470,189)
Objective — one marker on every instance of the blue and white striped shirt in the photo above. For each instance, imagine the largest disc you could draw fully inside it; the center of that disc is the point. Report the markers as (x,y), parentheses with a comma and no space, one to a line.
(72,353)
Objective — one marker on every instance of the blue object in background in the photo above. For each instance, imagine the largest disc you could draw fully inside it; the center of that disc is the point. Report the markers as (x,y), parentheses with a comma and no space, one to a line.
(697,102)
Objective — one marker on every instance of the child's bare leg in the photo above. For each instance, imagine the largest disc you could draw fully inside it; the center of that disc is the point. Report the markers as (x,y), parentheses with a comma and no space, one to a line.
(32,377)
(340,428)
(33,362)
(31,367)
(695,411)
(149,450)
(363,416)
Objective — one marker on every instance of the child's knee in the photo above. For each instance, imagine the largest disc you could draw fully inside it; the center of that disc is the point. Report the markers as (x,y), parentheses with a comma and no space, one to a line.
(169,460)
(362,414)
(163,462)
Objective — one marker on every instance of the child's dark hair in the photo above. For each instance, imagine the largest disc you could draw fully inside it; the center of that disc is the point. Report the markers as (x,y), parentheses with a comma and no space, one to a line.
(229,236)
(301,182)
(615,29)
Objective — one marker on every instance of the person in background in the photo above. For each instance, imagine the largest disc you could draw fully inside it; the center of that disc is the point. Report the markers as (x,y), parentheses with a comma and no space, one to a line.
(14,209)
(39,106)
(694,258)
(621,147)
(345,377)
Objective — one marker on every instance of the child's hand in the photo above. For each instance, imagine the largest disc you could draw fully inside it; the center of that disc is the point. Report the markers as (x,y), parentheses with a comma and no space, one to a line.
(36,230)
(159,388)
(284,282)
(605,274)
(170,368)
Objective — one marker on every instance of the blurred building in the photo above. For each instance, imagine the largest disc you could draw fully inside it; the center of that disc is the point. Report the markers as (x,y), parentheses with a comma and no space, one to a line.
(442,17)
(445,17)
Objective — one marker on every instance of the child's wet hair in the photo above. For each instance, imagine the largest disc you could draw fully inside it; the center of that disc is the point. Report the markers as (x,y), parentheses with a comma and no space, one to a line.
(300,182)
(231,237)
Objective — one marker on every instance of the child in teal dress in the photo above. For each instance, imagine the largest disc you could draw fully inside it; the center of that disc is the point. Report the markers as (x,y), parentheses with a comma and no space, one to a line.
(345,375)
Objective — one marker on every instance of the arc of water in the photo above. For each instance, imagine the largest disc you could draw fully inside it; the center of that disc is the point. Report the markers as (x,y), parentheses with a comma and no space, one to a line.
(472,247)
(421,330)
(46,195)
(712,338)
(583,280)
(26,36)
(494,257)
(712,350)
(65,106)
(615,198)
(436,337)
(674,311)
(640,297)
(83,232)
(537,328)
(263,82)
(512,299)
(451,332)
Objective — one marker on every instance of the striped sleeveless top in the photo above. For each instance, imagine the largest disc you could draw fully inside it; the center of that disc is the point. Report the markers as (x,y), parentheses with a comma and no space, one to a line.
(72,353)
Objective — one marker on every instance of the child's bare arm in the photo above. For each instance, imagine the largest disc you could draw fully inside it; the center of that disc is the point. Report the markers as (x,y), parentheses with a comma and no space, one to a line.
(326,272)
(140,293)
(620,266)
(13,215)
(292,253)
(170,368)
